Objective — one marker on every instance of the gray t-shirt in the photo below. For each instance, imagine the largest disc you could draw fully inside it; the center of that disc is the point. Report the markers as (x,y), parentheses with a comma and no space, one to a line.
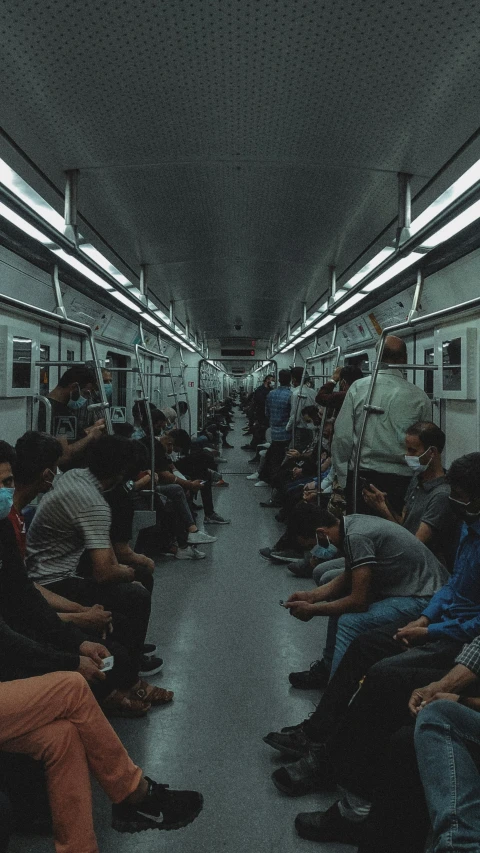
(428,502)
(401,564)
(72,517)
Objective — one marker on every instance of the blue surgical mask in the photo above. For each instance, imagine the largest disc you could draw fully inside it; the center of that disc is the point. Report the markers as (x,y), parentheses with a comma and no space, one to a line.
(414,463)
(6,501)
(108,389)
(77,404)
(322,553)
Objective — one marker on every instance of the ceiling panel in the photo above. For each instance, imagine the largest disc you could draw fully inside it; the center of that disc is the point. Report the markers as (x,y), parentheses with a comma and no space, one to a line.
(238,147)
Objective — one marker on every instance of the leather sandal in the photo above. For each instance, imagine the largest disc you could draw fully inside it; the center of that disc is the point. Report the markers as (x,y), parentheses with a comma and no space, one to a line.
(146,692)
(120,705)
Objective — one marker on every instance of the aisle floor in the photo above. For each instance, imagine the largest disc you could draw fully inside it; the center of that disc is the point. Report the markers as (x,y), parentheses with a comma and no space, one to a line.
(228,648)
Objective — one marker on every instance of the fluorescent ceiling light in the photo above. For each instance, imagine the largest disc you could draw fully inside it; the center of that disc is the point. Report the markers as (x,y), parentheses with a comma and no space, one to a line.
(392,271)
(32,199)
(23,224)
(128,302)
(339,293)
(104,263)
(373,264)
(323,322)
(349,302)
(464,182)
(451,228)
(88,273)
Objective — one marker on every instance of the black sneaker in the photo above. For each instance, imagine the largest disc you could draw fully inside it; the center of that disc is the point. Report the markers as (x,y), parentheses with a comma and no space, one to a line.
(287,556)
(226,444)
(328,826)
(149,649)
(265,553)
(150,665)
(246,447)
(294,743)
(315,678)
(160,809)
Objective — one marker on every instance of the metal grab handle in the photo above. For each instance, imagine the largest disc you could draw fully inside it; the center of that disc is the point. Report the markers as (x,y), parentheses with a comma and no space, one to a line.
(39,398)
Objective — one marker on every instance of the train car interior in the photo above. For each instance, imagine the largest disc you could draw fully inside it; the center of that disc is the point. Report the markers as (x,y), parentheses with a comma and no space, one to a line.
(239,351)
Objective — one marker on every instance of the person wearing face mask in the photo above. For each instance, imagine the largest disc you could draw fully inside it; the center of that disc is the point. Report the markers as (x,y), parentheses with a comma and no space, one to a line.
(69,400)
(393,665)
(343,377)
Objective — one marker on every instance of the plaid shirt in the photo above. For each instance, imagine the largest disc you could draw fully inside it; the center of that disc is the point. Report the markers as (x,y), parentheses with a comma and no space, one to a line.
(470,656)
(277,409)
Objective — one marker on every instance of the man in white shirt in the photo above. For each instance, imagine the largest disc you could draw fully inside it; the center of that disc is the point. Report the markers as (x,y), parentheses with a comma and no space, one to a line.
(382,452)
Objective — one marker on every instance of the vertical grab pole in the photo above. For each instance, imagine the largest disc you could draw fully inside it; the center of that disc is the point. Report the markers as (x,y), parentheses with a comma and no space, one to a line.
(322,426)
(100,385)
(367,408)
(150,426)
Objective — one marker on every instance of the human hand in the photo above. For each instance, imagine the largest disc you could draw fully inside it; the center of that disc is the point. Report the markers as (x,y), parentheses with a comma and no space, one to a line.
(97,429)
(95,617)
(422,696)
(301,596)
(302,610)
(336,374)
(195,485)
(293,453)
(143,560)
(90,670)
(94,651)
(296,473)
(374,497)
(412,636)
(125,573)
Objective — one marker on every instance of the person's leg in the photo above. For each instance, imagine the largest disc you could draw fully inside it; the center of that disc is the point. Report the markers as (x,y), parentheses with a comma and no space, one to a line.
(331,567)
(445,736)
(398,821)
(176,494)
(133,601)
(54,718)
(390,610)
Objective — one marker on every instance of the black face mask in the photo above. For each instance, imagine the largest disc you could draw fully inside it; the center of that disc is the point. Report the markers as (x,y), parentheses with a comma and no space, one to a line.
(468,512)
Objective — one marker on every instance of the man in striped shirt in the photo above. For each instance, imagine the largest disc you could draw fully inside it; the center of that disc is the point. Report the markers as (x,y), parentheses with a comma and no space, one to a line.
(74,517)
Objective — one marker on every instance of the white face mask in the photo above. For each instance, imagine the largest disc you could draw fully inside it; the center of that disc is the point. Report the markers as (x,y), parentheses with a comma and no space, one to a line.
(414,463)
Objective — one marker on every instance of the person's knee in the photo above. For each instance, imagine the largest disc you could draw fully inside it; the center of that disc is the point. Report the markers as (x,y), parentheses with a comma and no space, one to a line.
(441,714)
(348,623)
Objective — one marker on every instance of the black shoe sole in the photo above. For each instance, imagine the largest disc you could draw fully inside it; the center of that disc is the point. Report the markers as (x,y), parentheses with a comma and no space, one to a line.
(132,826)
(294,754)
(312,834)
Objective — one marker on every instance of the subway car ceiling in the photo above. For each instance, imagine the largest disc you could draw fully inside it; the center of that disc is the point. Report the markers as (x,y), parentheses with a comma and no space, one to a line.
(231,166)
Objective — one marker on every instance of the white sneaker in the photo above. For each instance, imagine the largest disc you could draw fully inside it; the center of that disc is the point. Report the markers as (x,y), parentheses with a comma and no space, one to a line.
(261,483)
(253,476)
(189,554)
(199,536)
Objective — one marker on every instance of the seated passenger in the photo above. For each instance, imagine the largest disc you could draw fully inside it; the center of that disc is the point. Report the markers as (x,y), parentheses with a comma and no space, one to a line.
(302,430)
(194,463)
(427,514)
(451,619)
(74,517)
(387,572)
(55,719)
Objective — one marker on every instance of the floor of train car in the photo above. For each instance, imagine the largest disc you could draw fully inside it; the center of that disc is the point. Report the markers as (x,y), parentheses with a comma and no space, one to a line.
(228,648)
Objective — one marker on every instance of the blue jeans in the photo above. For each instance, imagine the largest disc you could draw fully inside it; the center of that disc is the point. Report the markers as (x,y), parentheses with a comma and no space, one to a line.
(450,776)
(343,629)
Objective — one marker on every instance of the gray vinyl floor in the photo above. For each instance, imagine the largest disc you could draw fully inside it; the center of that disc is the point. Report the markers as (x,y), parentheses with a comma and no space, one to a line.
(228,648)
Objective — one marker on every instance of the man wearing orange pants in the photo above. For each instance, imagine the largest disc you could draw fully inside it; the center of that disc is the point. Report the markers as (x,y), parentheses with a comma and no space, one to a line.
(56,719)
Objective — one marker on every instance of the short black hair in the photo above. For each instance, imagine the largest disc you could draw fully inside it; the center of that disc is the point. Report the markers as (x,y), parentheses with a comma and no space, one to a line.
(35,452)
(7,454)
(310,411)
(181,407)
(465,474)
(181,438)
(82,375)
(350,373)
(268,376)
(429,434)
(125,429)
(297,373)
(326,519)
(284,377)
(112,455)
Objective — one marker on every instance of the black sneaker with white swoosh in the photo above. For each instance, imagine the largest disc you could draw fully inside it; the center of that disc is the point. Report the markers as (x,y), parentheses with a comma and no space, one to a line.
(159,809)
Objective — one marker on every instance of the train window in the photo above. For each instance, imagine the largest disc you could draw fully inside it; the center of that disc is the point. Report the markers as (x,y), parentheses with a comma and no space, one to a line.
(452,367)
(22,363)
(119,377)
(44,371)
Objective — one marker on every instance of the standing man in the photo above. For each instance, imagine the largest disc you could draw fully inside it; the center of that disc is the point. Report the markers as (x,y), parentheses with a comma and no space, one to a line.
(260,420)
(303,435)
(277,409)
(382,461)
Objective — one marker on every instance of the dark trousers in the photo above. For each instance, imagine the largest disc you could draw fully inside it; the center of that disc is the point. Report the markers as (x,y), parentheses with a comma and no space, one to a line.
(380,708)
(196,467)
(130,601)
(273,459)
(393,484)
(398,820)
